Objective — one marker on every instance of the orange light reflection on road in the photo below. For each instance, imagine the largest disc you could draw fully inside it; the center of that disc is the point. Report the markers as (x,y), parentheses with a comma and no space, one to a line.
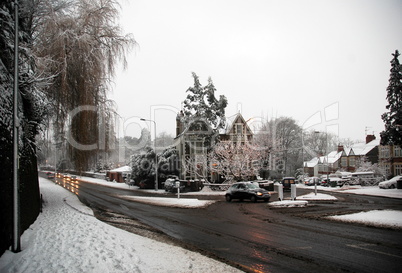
(261,255)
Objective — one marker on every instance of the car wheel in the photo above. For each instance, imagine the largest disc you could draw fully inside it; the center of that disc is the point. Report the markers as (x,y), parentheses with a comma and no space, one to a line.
(253,198)
(228,198)
(392,186)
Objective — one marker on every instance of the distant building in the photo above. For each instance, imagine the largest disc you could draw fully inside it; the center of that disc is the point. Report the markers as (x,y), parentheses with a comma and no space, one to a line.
(390,159)
(352,156)
(345,158)
(119,175)
(323,165)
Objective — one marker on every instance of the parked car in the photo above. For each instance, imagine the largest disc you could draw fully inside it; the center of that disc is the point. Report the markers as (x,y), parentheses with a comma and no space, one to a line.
(312,181)
(247,190)
(265,184)
(390,184)
(170,184)
(287,182)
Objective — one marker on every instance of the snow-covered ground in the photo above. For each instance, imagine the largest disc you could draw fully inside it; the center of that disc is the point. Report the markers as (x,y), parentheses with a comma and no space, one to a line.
(367,190)
(66,237)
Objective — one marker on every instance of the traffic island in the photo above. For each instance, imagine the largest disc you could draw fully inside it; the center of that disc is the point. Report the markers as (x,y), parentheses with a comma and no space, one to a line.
(288,204)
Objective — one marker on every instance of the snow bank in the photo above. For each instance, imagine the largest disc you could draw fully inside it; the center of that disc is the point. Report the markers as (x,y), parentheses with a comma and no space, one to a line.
(288,204)
(319,197)
(170,202)
(382,218)
(67,238)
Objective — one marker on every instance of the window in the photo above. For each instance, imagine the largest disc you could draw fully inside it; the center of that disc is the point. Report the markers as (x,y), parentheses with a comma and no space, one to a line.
(344,161)
(352,161)
(239,129)
(397,151)
(398,169)
(384,152)
(321,168)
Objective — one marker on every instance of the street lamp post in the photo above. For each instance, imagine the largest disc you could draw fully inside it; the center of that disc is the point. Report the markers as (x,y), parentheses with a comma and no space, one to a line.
(327,156)
(156,157)
(303,174)
(16,247)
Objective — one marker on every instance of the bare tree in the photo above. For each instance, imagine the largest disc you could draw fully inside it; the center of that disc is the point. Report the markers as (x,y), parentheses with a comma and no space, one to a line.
(282,137)
(197,166)
(235,161)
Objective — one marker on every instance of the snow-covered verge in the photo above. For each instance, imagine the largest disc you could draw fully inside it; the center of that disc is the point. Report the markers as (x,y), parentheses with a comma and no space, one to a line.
(170,202)
(382,218)
(288,204)
(66,237)
(378,218)
(366,190)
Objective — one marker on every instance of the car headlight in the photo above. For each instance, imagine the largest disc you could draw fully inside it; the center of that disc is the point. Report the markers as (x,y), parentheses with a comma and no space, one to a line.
(259,193)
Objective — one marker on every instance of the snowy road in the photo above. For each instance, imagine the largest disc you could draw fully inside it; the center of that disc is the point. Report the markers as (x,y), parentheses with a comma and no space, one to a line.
(278,240)
(259,238)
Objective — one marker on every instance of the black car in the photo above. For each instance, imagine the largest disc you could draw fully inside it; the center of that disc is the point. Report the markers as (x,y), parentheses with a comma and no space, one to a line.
(247,190)
(287,183)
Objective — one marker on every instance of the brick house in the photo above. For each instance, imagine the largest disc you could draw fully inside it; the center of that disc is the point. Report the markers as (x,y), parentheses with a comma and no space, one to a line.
(345,158)
(352,156)
(390,159)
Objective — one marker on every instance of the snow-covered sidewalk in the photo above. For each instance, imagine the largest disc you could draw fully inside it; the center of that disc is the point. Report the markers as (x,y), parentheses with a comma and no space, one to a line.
(66,237)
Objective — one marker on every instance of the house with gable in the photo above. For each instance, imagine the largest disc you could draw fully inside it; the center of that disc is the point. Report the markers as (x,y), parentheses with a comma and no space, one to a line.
(195,140)
(237,130)
(346,158)
(352,156)
(323,165)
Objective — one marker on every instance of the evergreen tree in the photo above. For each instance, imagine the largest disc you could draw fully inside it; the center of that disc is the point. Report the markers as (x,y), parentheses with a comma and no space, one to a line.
(201,103)
(393,118)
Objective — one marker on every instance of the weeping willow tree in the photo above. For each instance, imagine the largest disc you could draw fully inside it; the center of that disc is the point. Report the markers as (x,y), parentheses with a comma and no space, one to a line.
(79,43)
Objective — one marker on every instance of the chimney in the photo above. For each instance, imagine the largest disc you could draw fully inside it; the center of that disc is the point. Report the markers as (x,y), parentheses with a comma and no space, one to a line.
(179,123)
(340,148)
(369,138)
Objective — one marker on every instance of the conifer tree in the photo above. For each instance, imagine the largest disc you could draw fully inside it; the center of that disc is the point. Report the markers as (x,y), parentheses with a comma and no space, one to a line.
(201,103)
(393,118)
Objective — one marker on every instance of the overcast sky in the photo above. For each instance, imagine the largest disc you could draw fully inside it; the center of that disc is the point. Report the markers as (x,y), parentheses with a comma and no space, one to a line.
(324,63)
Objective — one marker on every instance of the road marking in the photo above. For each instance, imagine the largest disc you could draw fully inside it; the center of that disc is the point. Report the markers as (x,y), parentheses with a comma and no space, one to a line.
(364,247)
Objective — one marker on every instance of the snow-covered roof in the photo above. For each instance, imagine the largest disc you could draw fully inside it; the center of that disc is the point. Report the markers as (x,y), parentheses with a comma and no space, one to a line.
(312,163)
(230,122)
(122,169)
(364,148)
(333,157)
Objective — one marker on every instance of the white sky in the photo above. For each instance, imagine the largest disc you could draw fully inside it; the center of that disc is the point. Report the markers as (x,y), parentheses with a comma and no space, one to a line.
(325,59)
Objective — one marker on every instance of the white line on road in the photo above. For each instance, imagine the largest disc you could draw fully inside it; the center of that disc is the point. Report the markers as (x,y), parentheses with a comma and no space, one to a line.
(364,247)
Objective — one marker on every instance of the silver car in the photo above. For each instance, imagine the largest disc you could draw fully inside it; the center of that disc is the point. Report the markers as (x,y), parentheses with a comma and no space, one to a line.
(390,184)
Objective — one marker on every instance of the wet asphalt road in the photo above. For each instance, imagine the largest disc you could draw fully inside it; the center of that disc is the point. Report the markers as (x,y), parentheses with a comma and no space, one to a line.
(257,238)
